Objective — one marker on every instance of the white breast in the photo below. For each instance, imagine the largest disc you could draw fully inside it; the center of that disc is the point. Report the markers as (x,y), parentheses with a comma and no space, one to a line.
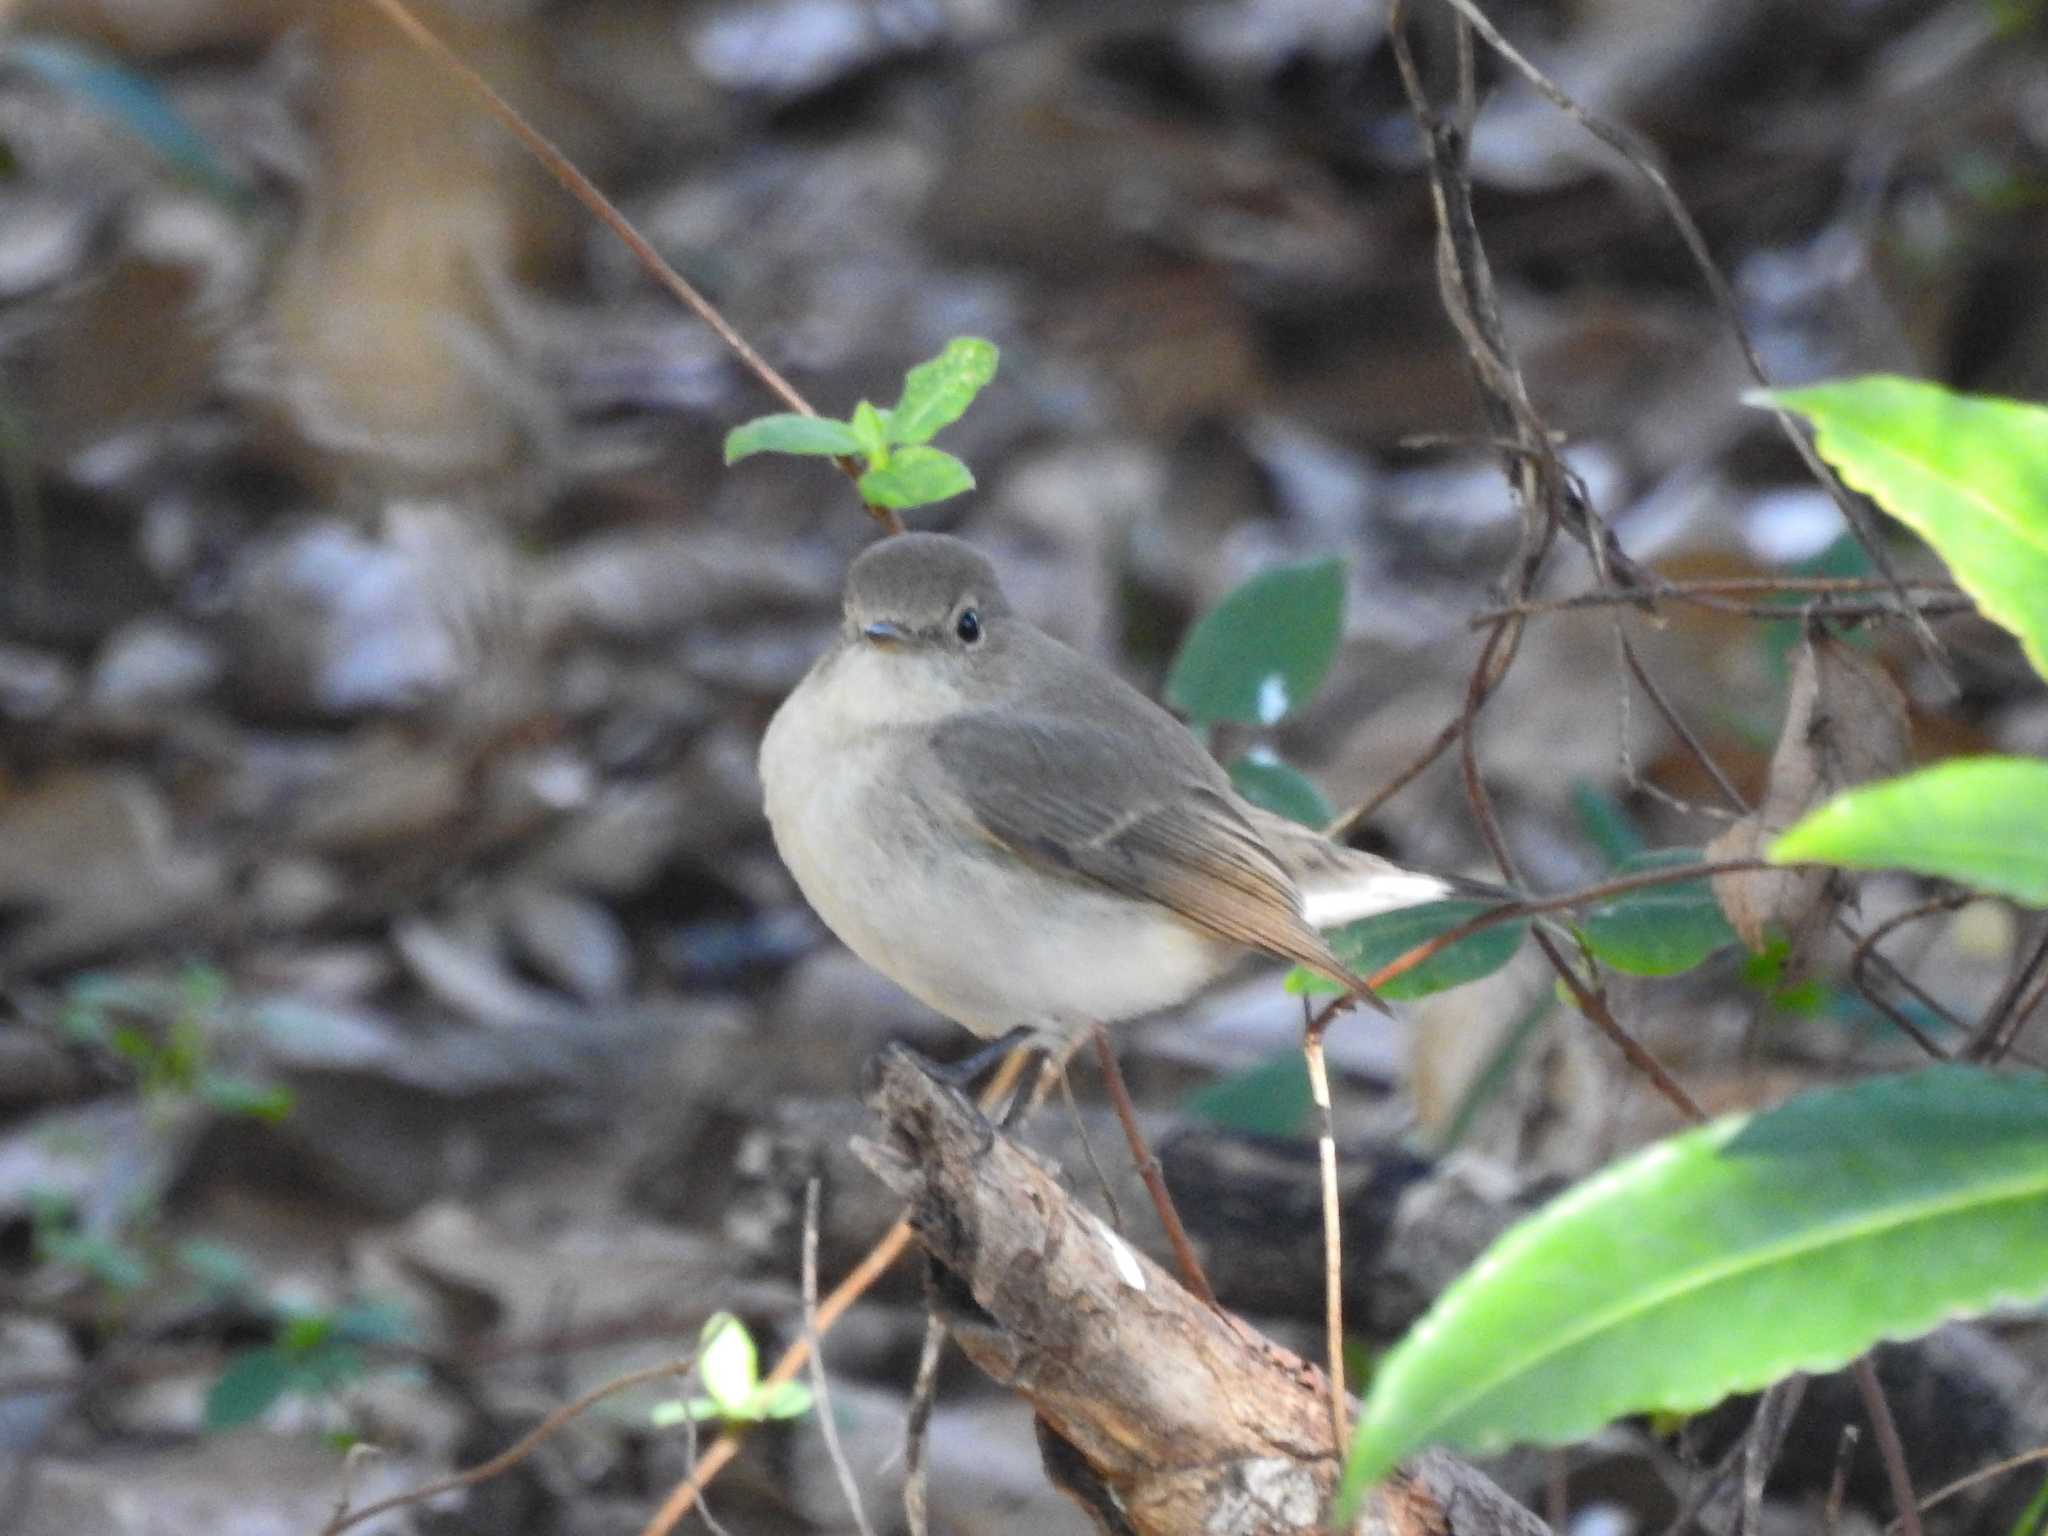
(981,938)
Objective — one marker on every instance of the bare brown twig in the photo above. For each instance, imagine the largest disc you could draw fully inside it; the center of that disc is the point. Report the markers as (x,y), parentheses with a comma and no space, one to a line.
(513,1454)
(586,192)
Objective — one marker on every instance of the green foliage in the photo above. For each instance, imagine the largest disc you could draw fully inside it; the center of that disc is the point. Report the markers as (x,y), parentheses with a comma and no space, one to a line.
(170,1033)
(900,471)
(1367,945)
(1661,930)
(1968,473)
(118,93)
(314,1353)
(1285,791)
(1980,820)
(936,394)
(1259,655)
(1725,1258)
(730,1367)
(1271,1099)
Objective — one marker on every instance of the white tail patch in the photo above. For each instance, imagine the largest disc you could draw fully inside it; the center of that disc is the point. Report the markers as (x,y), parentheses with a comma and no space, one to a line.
(1346,898)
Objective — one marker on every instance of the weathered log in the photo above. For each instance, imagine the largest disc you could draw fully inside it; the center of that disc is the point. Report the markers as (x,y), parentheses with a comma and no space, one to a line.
(1161,1416)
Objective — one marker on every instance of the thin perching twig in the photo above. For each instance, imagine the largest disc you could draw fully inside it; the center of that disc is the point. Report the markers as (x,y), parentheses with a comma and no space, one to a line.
(510,1457)
(1333,1236)
(1890,1448)
(819,1390)
(586,192)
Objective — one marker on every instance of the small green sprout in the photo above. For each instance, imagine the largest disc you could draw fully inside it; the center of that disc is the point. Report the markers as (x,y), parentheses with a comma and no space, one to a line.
(734,1392)
(902,470)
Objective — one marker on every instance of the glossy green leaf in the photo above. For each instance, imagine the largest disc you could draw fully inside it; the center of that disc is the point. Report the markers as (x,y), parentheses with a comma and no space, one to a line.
(1274,786)
(915,477)
(1367,945)
(790,433)
(253,1380)
(116,92)
(1258,655)
(1725,1259)
(1982,821)
(1660,930)
(1271,1099)
(1968,473)
(935,394)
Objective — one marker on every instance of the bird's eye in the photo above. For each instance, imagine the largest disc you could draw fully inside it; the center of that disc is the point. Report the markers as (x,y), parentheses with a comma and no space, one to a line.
(968,626)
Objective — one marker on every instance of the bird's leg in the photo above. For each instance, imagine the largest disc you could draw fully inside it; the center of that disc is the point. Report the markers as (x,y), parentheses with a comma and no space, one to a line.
(964,1073)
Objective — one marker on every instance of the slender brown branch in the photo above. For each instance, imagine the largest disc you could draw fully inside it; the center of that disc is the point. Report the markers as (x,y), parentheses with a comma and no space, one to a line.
(2002,1020)
(1889,1446)
(1970,1480)
(1838,1482)
(1148,1170)
(586,192)
(1941,597)
(517,1452)
(684,1496)
(828,1423)
(1640,158)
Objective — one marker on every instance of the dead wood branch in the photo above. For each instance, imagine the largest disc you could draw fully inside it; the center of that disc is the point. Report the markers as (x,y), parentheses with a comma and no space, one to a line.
(1160,1415)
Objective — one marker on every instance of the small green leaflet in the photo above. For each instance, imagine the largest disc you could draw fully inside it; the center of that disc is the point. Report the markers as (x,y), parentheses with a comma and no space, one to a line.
(730,1368)
(1982,821)
(915,477)
(1660,930)
(1259,655)
(790,433)
(1726,1258)
(935,394)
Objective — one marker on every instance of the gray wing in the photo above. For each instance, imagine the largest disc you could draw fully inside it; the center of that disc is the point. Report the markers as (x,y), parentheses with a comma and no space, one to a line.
(1139,813)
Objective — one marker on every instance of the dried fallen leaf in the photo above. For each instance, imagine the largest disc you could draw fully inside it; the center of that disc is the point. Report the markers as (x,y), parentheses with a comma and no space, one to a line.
(1845,723)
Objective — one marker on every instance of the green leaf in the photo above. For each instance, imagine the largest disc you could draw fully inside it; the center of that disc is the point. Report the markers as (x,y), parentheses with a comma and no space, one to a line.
(253,1380)
(1271,1099)
(871,431)
(1968,473)
(1272,785)
(1367,945)
(119,94)
(1606,822)
(727,1361)
(783,1400)
(1260,653)
(915,477)
(1661,930)
(790,433)
(1726,1258)
(935,394)
(1982,821)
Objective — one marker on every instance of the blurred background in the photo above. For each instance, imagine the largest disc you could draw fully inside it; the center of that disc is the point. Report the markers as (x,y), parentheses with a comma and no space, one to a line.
(404,1020)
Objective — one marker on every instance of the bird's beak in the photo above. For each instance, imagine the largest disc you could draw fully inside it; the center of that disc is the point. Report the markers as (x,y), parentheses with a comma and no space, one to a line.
(883,632)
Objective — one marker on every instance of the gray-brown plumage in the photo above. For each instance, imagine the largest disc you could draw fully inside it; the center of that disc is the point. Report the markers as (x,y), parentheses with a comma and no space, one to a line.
(1017,836)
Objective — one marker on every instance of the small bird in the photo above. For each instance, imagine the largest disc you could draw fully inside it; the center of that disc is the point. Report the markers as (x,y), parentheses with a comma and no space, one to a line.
(1019,838)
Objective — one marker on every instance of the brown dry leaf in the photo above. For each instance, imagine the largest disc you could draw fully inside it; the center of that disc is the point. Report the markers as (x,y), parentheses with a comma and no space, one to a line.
(1845,723)
(89,860)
